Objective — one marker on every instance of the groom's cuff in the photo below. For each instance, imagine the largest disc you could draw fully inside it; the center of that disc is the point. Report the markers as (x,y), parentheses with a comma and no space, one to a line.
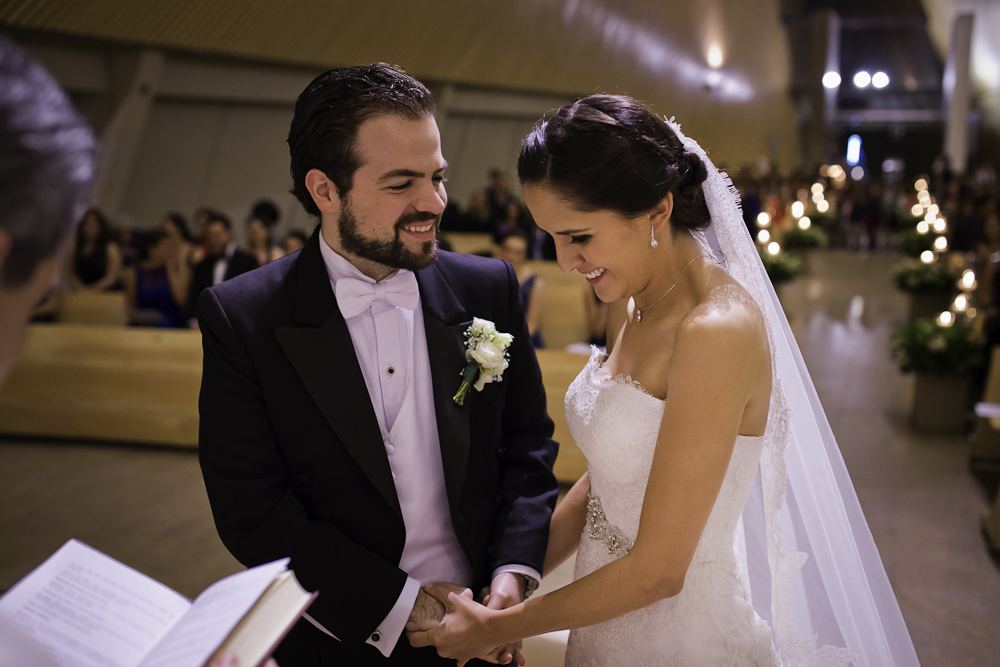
(529,572)
(384,637)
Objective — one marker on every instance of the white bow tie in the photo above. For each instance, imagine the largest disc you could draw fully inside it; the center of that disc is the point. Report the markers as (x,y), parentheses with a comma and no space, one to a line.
(356,296)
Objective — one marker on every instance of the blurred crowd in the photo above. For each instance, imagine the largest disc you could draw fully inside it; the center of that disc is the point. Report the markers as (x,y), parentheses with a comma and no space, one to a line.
(162,271)
(867,214)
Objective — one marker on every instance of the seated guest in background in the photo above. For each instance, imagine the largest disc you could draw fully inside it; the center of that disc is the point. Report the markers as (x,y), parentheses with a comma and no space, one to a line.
(516,218)
(155,288)
(514,249)
(263,217)
(185,249)
(497,197)
(477,217)
(200,219)
(95,259)
(294,240)
(128,240)
(223,260)
(597,317)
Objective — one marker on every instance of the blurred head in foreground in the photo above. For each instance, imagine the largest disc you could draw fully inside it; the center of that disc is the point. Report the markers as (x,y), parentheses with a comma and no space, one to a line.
(46,166)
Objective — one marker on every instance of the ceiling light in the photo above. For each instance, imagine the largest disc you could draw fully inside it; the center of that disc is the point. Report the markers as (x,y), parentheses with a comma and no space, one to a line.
(862,79)
(854,150)
(857,173)
(831,80)
(715,57)
(880,79)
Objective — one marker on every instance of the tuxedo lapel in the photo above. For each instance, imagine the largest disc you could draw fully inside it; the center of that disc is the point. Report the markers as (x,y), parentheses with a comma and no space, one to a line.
(445,322)
(322,353)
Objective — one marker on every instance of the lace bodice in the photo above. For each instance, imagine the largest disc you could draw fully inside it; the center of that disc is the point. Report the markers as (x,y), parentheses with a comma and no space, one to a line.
(615,423)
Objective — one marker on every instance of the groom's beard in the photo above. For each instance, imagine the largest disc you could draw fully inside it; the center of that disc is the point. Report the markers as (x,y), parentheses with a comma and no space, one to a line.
(394,253)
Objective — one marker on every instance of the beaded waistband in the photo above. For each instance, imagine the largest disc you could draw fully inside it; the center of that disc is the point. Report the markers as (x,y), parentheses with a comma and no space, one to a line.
(600,529)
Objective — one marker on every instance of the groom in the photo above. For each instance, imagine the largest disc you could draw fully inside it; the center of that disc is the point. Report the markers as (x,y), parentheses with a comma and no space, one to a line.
(328,430)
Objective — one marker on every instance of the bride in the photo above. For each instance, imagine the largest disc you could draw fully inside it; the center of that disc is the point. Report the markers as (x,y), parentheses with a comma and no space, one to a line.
(716,524)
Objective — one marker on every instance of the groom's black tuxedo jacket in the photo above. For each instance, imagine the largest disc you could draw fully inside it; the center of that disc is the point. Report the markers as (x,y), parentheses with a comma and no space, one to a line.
(295,465)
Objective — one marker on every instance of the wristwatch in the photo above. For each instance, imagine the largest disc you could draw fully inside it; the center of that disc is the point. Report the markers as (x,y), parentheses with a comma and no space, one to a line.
(530,585)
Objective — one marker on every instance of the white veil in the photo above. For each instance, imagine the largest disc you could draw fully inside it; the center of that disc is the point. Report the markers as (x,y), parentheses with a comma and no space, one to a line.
(815,574)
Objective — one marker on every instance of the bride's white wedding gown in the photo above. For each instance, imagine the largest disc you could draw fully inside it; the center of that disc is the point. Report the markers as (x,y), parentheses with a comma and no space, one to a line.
(711,622)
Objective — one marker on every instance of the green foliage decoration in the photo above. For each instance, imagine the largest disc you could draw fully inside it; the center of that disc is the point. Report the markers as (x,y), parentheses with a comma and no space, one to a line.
(924,346)
(805,239)
(781,268)
(919,278)
(911,242)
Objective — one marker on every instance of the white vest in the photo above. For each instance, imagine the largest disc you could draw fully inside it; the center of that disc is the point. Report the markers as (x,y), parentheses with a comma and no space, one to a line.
(431,552)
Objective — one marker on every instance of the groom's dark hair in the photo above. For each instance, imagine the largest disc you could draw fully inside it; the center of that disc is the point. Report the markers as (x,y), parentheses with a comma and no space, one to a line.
(329,111)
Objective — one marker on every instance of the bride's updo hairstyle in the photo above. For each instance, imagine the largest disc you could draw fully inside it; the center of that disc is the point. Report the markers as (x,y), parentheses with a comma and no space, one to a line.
(611,152)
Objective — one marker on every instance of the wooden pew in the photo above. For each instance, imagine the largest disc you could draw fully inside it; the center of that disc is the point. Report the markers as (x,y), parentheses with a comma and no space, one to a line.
(105,383)
(137,385)
(106,308)
(469,242)
(558,371)
(564,320)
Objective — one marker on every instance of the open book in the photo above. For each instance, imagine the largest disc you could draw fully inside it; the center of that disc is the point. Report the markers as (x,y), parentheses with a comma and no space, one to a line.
(89,610)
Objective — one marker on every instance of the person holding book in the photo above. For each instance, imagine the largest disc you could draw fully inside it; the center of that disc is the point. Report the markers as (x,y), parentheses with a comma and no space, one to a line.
(46,165)
(335,426)
(44,185)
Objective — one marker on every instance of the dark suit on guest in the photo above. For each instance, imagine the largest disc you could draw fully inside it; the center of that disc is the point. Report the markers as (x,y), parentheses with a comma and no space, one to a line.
(203,275)
(294,461)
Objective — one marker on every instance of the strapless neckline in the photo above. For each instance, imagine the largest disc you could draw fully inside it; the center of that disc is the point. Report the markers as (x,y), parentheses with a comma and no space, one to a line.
(608,379)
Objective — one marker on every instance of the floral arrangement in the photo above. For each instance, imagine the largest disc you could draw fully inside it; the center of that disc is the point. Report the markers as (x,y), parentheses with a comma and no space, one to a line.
(920,278)
(486,354)
(781,268)
(805,239)
(924,346)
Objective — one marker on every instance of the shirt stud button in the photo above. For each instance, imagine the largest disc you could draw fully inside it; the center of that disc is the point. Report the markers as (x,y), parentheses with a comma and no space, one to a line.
(376,636)
(391,448)
(390,370)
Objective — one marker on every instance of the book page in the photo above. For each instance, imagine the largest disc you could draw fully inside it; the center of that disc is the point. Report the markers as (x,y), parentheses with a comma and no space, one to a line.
(89,610)
(214,614)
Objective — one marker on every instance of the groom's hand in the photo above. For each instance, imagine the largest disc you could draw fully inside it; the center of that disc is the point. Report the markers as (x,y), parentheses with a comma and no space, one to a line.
(506,590)
(427,611)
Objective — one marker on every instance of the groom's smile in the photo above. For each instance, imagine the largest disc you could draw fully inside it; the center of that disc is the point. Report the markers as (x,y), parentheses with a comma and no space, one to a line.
(389,217)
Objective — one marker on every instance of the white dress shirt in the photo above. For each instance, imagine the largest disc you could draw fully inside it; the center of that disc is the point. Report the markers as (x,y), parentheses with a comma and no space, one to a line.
(222,264)
(391,347)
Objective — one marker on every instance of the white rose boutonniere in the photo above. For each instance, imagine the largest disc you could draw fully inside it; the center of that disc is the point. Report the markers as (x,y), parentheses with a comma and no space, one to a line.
(487,356)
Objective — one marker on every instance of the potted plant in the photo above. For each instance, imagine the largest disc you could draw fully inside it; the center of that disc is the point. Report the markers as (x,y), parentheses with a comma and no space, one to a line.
(943,359)
(802,242)
(929,286)
(781,268)
(911,242)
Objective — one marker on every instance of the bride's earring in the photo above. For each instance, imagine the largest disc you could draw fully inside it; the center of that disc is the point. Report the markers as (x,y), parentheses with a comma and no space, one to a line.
(652,238)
